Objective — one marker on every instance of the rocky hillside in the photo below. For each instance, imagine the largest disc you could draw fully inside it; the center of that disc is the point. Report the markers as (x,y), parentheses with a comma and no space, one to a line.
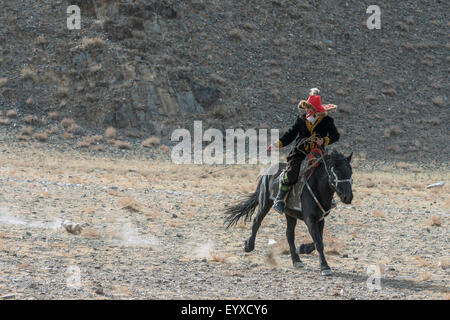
(158,65)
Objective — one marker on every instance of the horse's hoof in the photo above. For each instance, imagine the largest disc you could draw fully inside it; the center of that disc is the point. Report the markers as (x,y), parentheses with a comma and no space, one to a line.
(326,272)
(247,247)
(299,264)
(306,248)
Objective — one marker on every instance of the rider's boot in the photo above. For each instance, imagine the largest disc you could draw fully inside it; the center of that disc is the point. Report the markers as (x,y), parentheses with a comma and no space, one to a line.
(280,201)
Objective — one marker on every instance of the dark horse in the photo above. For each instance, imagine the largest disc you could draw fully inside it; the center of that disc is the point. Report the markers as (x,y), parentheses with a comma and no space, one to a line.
(333,174)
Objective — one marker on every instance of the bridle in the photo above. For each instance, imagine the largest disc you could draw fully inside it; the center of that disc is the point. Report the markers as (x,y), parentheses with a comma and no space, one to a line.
(333,182)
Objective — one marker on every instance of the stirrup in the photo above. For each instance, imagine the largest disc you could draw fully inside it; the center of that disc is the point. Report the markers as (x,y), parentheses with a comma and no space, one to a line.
(279,206)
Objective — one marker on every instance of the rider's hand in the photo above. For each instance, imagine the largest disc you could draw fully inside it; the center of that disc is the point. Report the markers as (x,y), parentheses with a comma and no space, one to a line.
(271,147)
(319,141)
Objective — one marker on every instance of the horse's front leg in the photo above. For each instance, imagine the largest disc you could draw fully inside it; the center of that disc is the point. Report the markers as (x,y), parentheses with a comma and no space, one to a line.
(315,229)
(290,235)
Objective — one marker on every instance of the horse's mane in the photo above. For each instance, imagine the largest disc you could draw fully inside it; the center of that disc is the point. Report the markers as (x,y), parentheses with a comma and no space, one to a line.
(335,158)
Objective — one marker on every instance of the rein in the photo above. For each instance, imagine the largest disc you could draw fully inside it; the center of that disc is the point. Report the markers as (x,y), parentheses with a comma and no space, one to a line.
(333,183)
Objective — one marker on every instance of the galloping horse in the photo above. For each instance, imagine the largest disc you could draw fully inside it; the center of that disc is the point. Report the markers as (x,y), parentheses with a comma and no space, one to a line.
(333,174)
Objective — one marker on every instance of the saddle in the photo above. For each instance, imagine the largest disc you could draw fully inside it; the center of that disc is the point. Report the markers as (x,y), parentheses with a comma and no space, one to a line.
(293,198)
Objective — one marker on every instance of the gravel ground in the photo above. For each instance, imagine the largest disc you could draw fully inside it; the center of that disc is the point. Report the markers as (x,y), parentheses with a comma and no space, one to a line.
(151,230)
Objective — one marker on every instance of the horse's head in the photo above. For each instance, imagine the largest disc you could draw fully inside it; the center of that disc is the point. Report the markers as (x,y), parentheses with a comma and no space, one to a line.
(340,176)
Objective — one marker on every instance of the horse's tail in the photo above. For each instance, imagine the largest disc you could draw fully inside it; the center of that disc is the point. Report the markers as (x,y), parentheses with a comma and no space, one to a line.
(244,208)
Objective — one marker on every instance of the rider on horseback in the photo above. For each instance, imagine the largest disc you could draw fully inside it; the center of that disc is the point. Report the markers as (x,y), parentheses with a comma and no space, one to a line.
(317,126)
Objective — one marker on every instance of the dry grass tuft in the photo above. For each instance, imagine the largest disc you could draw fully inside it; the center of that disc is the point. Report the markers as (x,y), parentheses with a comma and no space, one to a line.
(89,43)
(124,145)
(150,142)
(435,221)
(334,246)
(236,34)
(392,131)
(53,115)
(67,122)
(22,137)
(379,214)
(28,74)
(41,136)
(11,113)
(130,204)
(30,119)
(3,82)
(5,122)
(110,133)
(217,258)
(425,276)
(91,233)
(67,136)
(26,131)
(444,263)
(439,101)
(402,165)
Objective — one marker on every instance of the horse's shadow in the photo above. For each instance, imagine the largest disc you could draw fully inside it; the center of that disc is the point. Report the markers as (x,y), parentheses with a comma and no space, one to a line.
(394,283)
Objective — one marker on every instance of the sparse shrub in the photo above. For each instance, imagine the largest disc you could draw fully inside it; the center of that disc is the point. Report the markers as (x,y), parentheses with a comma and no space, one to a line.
(439,101)
(402,165)
(98,148)
(393,148)
(425,276)
(389,91)
(435,221)
(379,214)
(96,139)
(67,122)
(129,204)
(26,131)
(62,92)
(132,133)
(52,130)
(164,148)
(151,142)
(5,122)
(110,133)
(235,34)
(53,115)
(74,129)
(41,136)
(218,79)
(90,43)
(29,74)
(122,144)
(392,131)
(30,119)
(22,137)
(67,135)
(11,113)
(221,111)
(84,143)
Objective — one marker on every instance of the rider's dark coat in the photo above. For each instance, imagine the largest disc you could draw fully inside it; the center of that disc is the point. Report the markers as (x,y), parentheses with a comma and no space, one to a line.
(323,127)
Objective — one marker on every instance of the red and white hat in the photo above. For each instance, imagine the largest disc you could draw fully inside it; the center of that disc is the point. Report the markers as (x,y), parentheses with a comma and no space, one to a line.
(315,102)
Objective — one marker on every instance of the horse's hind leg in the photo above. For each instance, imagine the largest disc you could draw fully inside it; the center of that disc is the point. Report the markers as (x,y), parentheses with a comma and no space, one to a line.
(262,211)
(290,235)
